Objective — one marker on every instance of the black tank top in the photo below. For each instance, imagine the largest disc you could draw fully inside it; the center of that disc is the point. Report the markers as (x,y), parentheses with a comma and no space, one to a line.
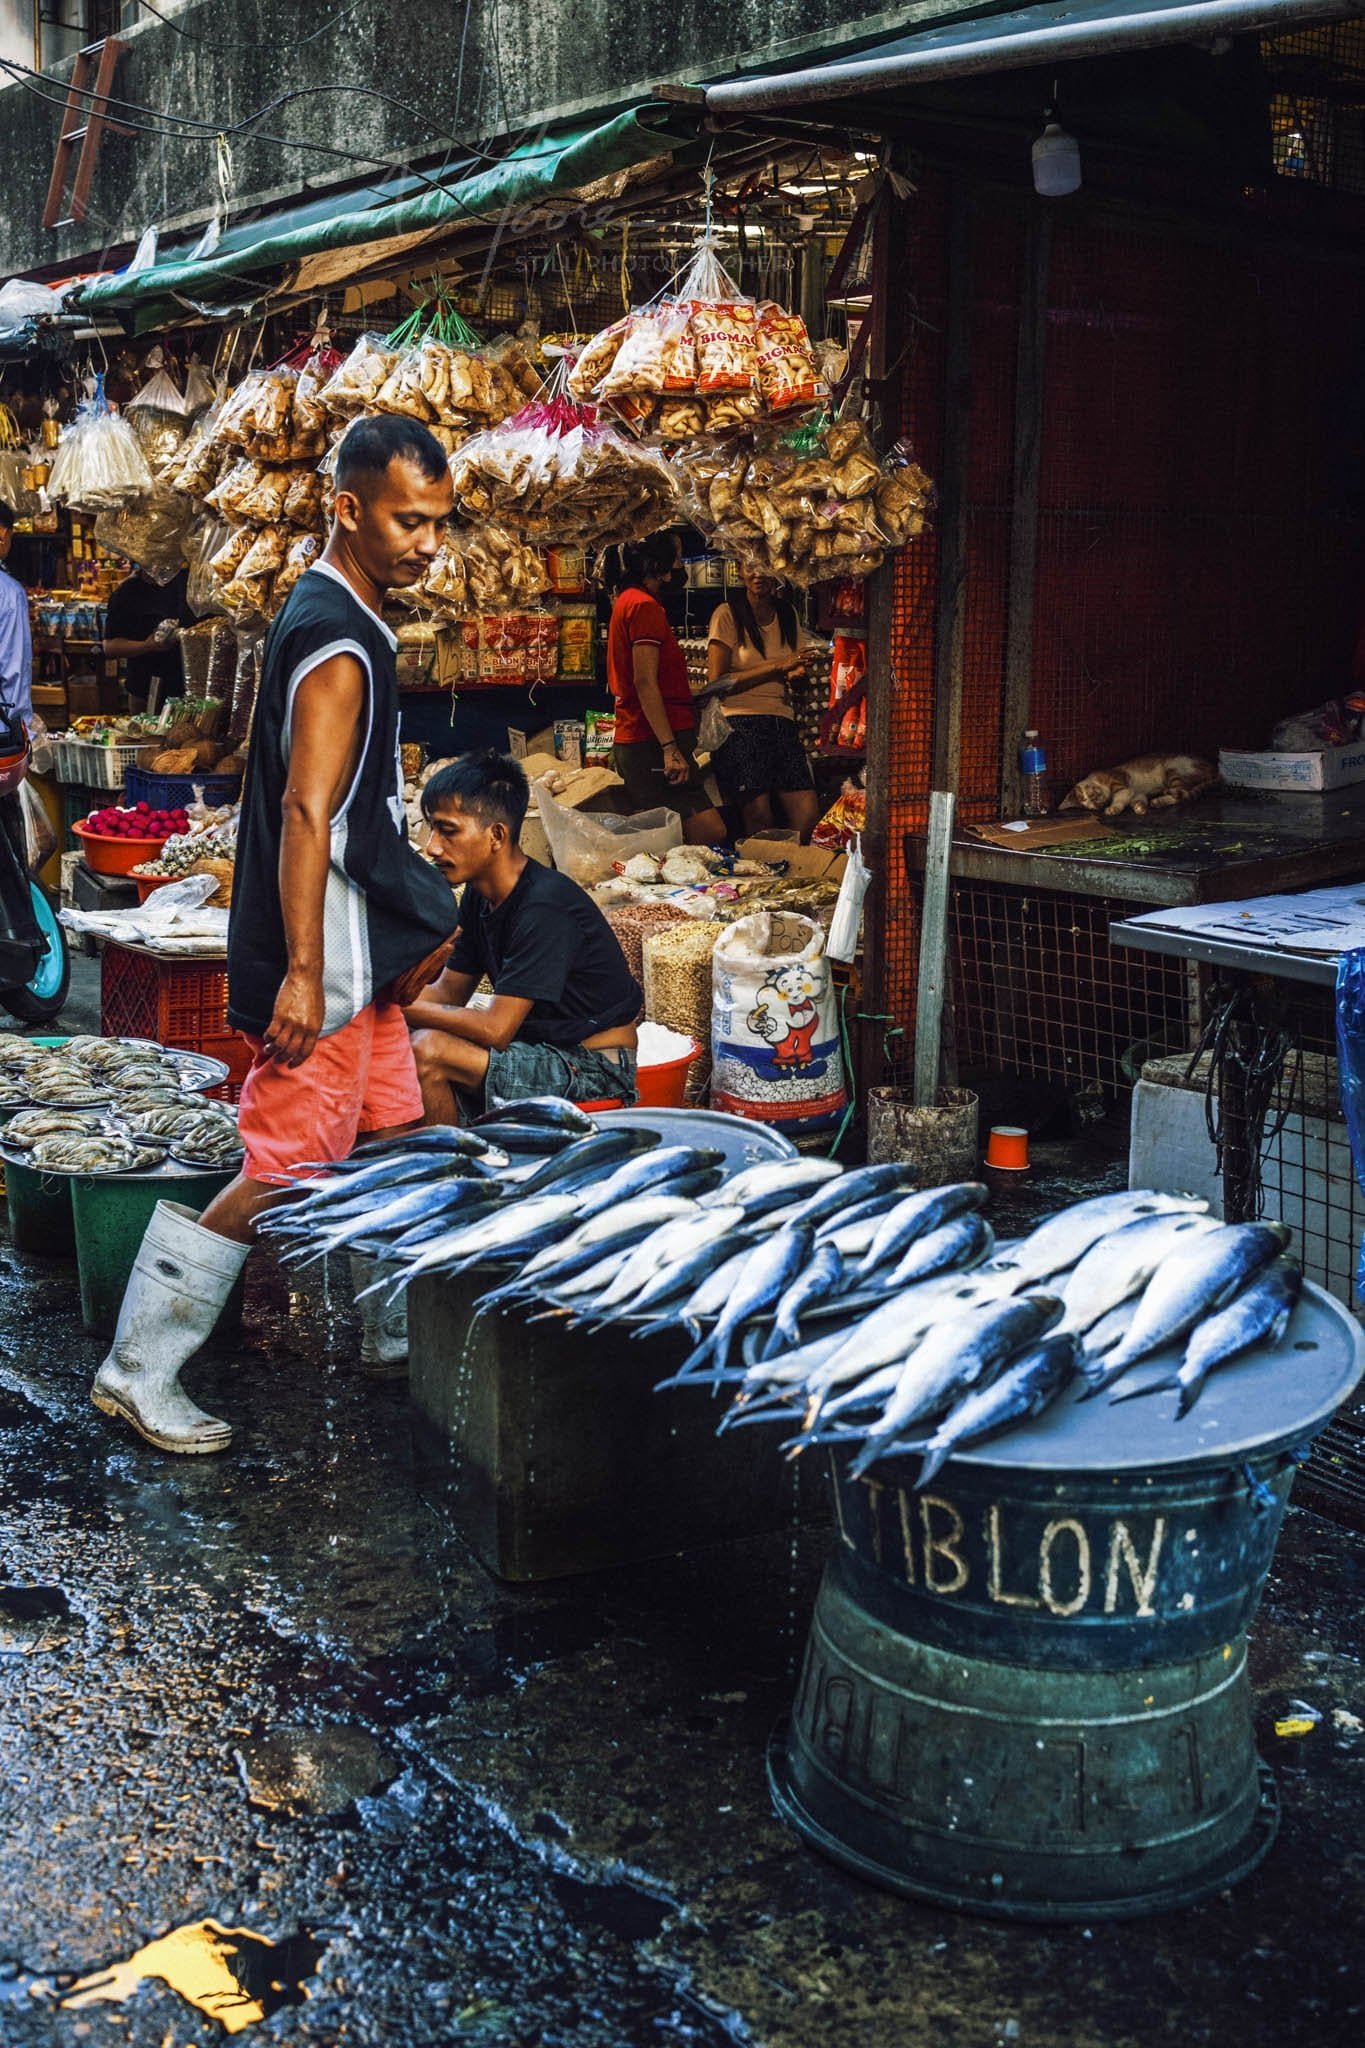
(385,907)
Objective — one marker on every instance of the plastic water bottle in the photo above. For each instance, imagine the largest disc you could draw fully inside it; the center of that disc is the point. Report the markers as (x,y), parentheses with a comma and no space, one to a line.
(1033,771)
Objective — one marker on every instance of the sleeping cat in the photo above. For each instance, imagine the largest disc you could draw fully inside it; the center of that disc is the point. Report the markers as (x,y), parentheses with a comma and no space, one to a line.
(1158,780)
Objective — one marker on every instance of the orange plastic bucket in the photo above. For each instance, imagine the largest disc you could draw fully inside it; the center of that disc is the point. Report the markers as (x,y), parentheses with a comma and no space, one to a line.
(663,1085)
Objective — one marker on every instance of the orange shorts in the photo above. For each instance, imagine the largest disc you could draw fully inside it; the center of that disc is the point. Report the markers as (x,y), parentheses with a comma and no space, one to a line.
(361,1078)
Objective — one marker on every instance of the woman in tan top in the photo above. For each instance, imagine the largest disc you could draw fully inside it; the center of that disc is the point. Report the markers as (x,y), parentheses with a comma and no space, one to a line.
(756,643)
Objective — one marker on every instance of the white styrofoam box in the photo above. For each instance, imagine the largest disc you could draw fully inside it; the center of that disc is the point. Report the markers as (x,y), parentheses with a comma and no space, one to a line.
(1328,768)
(1170,1147)
(1307,1175)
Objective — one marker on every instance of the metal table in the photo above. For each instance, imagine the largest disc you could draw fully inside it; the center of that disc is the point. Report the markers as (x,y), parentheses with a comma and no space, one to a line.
(1225,848)
(1274,961)
(1256,963)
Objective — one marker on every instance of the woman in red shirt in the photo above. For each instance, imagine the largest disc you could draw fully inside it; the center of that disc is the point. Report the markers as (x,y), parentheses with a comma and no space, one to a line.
(656,725)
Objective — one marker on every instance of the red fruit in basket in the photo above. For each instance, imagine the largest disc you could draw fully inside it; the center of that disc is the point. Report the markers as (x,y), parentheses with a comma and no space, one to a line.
(143,807)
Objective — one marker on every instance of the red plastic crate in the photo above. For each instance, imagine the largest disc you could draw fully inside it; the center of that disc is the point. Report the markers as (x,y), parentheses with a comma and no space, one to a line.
(178,1002)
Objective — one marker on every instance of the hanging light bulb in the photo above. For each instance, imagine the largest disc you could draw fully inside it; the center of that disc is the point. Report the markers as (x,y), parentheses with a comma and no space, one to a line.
(1056,160)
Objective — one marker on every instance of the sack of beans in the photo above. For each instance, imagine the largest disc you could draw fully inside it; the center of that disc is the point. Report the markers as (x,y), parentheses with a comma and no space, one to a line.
(775,1024)
(633,923)
(677,965)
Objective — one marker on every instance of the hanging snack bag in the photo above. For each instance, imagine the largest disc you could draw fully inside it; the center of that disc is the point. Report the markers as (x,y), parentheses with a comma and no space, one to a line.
(657,356)
(775,1025)
(726,335)
(356,383)
(590,369)
(787,374)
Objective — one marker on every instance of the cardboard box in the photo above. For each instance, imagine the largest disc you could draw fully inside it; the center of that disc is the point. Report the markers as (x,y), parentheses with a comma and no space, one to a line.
(82,697)
(1328,768)
(812,863)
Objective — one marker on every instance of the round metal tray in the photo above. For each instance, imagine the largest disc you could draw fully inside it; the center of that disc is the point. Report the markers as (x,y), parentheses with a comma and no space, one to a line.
(168,1170)
(743,1142)
(1275,1394)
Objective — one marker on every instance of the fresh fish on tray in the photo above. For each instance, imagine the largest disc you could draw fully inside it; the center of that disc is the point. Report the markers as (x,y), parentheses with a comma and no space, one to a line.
(1028,1385)
(1259,1315)
(1189,1287)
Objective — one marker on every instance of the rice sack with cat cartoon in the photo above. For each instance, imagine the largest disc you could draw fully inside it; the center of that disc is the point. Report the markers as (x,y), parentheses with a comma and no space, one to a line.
(1154,782)
(775,1024)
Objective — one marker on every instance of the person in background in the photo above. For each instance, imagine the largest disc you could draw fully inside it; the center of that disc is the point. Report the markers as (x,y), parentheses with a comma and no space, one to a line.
(142,624)
(16,704)
(562,1017)
(16,640)
(656,723)
(336,922)
(756,645)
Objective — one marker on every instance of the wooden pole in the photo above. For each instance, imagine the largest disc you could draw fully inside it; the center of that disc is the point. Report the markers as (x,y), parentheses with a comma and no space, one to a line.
(888,321)
(933,951)
(951,611)
(1030,364)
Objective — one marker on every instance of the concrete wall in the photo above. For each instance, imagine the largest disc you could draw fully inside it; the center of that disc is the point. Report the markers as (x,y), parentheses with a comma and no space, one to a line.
(16,31)
(522,63)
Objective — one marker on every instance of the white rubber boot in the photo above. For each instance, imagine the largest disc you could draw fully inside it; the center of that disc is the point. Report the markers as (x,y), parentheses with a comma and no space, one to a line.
(182,1276)
(383,1324)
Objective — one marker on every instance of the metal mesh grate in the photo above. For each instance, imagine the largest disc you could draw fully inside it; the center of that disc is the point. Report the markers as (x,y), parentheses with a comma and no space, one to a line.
(1200,528)
(1195,574)
(1041,992)
(1317,105)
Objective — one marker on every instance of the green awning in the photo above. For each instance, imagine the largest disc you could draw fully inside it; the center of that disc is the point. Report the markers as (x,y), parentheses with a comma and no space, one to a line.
(529,175)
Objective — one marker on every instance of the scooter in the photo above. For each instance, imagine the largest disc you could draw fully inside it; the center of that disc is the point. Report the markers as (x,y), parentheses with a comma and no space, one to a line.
(35,963)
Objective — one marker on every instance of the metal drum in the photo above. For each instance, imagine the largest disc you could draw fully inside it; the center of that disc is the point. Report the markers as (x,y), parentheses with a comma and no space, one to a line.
(1025,1690)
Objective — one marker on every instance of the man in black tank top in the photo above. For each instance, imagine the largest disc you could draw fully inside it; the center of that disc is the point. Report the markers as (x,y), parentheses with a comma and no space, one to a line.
(331,908)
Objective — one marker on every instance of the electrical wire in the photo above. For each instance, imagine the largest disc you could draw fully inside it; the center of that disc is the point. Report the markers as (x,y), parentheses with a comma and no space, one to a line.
(201,131)
(23,74)
(190,35)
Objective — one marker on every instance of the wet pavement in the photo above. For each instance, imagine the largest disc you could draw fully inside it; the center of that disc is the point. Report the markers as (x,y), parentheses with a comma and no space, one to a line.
(274,1691)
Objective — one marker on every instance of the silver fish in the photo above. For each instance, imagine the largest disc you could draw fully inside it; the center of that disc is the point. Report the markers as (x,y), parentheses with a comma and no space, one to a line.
(822,1277)
(773,1183)
(852,1240)
(955,1355)
(1067,1237)
(710,1295)
(616,1233)
(1260,1314)
(648,1173)
(872,1210)
(510,1226)
(659,1294)
(885,1335)
(914,1216)
(670,1242)
(408,1206)
(848,1191)
(1198,1283)
(958,1245)
(767,1273)
(1027,1385)
(553,1111)
(1107,1332)
(1122,1263)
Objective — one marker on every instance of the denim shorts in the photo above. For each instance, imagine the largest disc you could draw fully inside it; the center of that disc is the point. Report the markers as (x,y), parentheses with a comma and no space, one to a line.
(571,1071)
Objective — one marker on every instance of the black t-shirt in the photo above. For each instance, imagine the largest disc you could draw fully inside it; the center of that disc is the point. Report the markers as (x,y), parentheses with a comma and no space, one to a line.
(549,944)
(134,612)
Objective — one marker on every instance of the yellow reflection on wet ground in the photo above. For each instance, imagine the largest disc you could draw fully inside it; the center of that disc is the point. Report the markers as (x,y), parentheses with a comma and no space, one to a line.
(233,1975)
